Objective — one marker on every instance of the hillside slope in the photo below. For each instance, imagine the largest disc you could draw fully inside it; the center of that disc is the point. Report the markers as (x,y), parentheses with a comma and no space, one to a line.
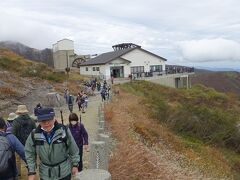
(147,150)
(20,77)
(199,126)
(228,82)
(44,56)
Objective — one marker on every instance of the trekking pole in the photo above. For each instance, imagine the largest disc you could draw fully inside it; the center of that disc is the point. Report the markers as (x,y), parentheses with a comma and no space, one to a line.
(61,116)
(80,118)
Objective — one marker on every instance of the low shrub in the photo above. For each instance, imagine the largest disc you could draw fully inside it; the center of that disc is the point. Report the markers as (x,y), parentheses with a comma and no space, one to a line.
(7,92)
(11,62)
(200,112)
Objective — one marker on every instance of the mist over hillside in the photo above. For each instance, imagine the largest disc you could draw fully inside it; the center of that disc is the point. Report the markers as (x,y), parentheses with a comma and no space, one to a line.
(45,55)
(214,69)
(227,82)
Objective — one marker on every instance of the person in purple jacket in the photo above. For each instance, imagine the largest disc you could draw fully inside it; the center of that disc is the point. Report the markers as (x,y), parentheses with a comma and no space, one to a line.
(80,136)
(15,146)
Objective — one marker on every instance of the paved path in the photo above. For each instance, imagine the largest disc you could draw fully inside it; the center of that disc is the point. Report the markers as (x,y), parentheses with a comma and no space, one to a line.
(89,119)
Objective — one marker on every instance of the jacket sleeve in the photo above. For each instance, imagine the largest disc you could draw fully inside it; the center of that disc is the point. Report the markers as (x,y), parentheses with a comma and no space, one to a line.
(84,135)
(73,149)
(15,127)
(17,146)
(33,124)
(30,153)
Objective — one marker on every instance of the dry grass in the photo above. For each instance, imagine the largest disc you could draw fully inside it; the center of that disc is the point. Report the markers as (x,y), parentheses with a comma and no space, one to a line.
(142,140)
(130,161)
(6,92)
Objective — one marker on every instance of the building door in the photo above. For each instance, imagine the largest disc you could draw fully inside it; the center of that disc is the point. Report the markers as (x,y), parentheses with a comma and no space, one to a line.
(177,82)
(117,71)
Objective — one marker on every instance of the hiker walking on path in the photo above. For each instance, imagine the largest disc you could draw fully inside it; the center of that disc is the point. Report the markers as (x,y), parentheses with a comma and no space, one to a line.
(55,146)
(9,144)
(85,100)
(23,124)
(22,127)
(66,95)
(80,101)
(108,91)
(98,86)
(112,78)
(80,136)
(103,93)
(70,103)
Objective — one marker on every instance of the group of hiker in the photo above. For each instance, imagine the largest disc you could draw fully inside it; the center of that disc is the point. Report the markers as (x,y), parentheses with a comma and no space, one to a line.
(41,139)
(81,100)
(105,91)
(59,147)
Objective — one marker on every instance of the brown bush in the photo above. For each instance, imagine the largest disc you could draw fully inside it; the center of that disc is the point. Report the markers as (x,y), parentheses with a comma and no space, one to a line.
(7,92)
(149,135)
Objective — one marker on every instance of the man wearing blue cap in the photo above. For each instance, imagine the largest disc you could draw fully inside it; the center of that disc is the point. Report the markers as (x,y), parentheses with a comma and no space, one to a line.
(55,146)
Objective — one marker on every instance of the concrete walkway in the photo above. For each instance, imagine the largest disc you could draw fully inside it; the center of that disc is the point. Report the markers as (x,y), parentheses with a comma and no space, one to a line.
(89,119)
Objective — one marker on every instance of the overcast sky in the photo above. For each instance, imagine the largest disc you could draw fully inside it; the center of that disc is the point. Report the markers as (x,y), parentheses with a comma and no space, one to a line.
(196,33)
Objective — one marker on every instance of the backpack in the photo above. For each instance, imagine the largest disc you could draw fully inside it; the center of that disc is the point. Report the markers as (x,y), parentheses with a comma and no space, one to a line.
(70,100)
(24,131)
(82,100)
(64,139)
(6,154)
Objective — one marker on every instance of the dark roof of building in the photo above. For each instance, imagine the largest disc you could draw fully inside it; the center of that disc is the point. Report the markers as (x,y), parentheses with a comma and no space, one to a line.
(109,56)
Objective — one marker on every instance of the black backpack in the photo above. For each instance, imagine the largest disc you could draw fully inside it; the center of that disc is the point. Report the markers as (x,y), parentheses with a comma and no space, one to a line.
(70,100)
(64,139)
(25,129)
(6,156)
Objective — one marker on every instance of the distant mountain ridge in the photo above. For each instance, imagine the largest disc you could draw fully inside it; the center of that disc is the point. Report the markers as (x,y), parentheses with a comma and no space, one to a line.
(45,55)
(215,69)
(227,82)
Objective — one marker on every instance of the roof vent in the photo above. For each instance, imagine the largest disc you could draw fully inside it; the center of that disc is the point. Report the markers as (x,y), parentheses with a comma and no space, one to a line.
(124,46)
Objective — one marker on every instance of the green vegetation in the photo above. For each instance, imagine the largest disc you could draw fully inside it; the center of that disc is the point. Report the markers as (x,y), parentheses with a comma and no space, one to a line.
(201,115)
(26,68)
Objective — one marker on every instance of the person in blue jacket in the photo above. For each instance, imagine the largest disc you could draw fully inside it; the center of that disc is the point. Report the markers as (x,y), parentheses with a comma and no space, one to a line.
(15,146)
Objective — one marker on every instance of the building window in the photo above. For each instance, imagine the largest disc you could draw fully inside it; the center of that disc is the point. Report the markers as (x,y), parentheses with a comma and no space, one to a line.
(137,69)
(97,68)
(86,69)
(156,68)
(93,68)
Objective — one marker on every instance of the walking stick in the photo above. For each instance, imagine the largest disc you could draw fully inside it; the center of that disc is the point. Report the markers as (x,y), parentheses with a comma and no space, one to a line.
(61,116)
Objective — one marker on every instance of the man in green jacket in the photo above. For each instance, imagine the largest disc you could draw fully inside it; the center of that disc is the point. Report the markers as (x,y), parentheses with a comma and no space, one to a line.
(55,146)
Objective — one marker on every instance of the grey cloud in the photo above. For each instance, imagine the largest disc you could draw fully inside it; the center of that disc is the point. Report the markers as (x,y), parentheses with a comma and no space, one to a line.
(207,50)
(156,25)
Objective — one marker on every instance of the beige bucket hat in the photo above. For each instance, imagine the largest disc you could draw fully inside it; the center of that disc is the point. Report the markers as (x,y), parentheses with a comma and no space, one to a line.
(12,116)
(22,109)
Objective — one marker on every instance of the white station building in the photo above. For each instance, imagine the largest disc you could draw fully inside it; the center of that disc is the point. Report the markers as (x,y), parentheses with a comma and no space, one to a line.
(126,59)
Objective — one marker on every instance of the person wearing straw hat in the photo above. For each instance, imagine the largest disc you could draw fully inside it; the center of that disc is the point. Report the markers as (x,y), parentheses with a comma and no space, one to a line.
(21,128)
(9,122)
(23,124)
